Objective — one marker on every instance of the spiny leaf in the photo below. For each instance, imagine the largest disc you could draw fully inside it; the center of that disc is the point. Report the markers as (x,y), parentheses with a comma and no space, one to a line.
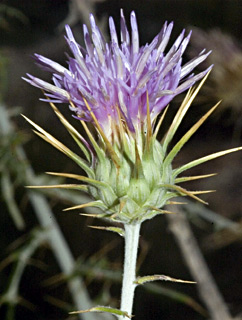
(98,204)
(95,215)
(110,149)
(61,147)
(196,162)
(57,144)
(155,277)
(202,191)
(176,202)
(186,179)
(162,211)
(115,312)
(181,191)
(181,112)
(81,142)
(66,175)
(95,183)
(105,187)
(61,186)
(96,147)
(169,158)
(157,128)
(120,231)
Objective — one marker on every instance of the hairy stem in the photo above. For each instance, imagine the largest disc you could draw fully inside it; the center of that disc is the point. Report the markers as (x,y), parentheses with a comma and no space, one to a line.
(129,274)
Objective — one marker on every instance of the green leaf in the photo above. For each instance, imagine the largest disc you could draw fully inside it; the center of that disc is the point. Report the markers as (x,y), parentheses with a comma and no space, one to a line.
(120,231)
(187,136)
(185,179)
(115,312)
(98,150)
(182,191)
(157,127)
(98,204)
(62,186)
(155,277)
(80,141)
(181,112)
(195,163)
(93,182)
(61,147)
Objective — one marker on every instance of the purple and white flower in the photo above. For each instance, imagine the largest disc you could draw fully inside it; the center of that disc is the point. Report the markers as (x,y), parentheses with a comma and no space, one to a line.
(115,77)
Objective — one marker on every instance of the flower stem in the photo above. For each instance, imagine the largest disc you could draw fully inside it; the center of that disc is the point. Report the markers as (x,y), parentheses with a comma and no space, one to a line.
(129,274)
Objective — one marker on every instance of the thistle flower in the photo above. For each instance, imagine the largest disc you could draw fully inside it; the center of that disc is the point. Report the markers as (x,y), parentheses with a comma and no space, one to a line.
(121,89)
(115,78)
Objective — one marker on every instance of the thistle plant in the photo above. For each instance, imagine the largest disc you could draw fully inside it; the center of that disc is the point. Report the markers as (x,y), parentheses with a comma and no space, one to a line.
(122,90)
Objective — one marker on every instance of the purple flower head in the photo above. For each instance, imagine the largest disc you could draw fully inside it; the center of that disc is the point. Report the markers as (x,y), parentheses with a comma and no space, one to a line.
(115,78)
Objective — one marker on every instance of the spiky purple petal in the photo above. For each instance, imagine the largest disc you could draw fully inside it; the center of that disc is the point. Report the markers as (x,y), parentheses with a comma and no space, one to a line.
(119,75)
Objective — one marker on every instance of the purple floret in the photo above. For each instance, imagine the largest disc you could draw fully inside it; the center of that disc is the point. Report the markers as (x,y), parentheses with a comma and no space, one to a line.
(118,75)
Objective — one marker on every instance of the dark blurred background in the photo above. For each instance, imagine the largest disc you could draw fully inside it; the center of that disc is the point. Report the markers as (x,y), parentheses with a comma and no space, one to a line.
(28,27)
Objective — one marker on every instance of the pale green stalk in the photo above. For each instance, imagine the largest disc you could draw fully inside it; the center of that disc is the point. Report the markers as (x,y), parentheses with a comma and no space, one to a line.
(129,274)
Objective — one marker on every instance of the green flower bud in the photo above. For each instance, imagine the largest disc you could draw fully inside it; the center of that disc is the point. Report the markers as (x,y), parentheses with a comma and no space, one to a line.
(135,190)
